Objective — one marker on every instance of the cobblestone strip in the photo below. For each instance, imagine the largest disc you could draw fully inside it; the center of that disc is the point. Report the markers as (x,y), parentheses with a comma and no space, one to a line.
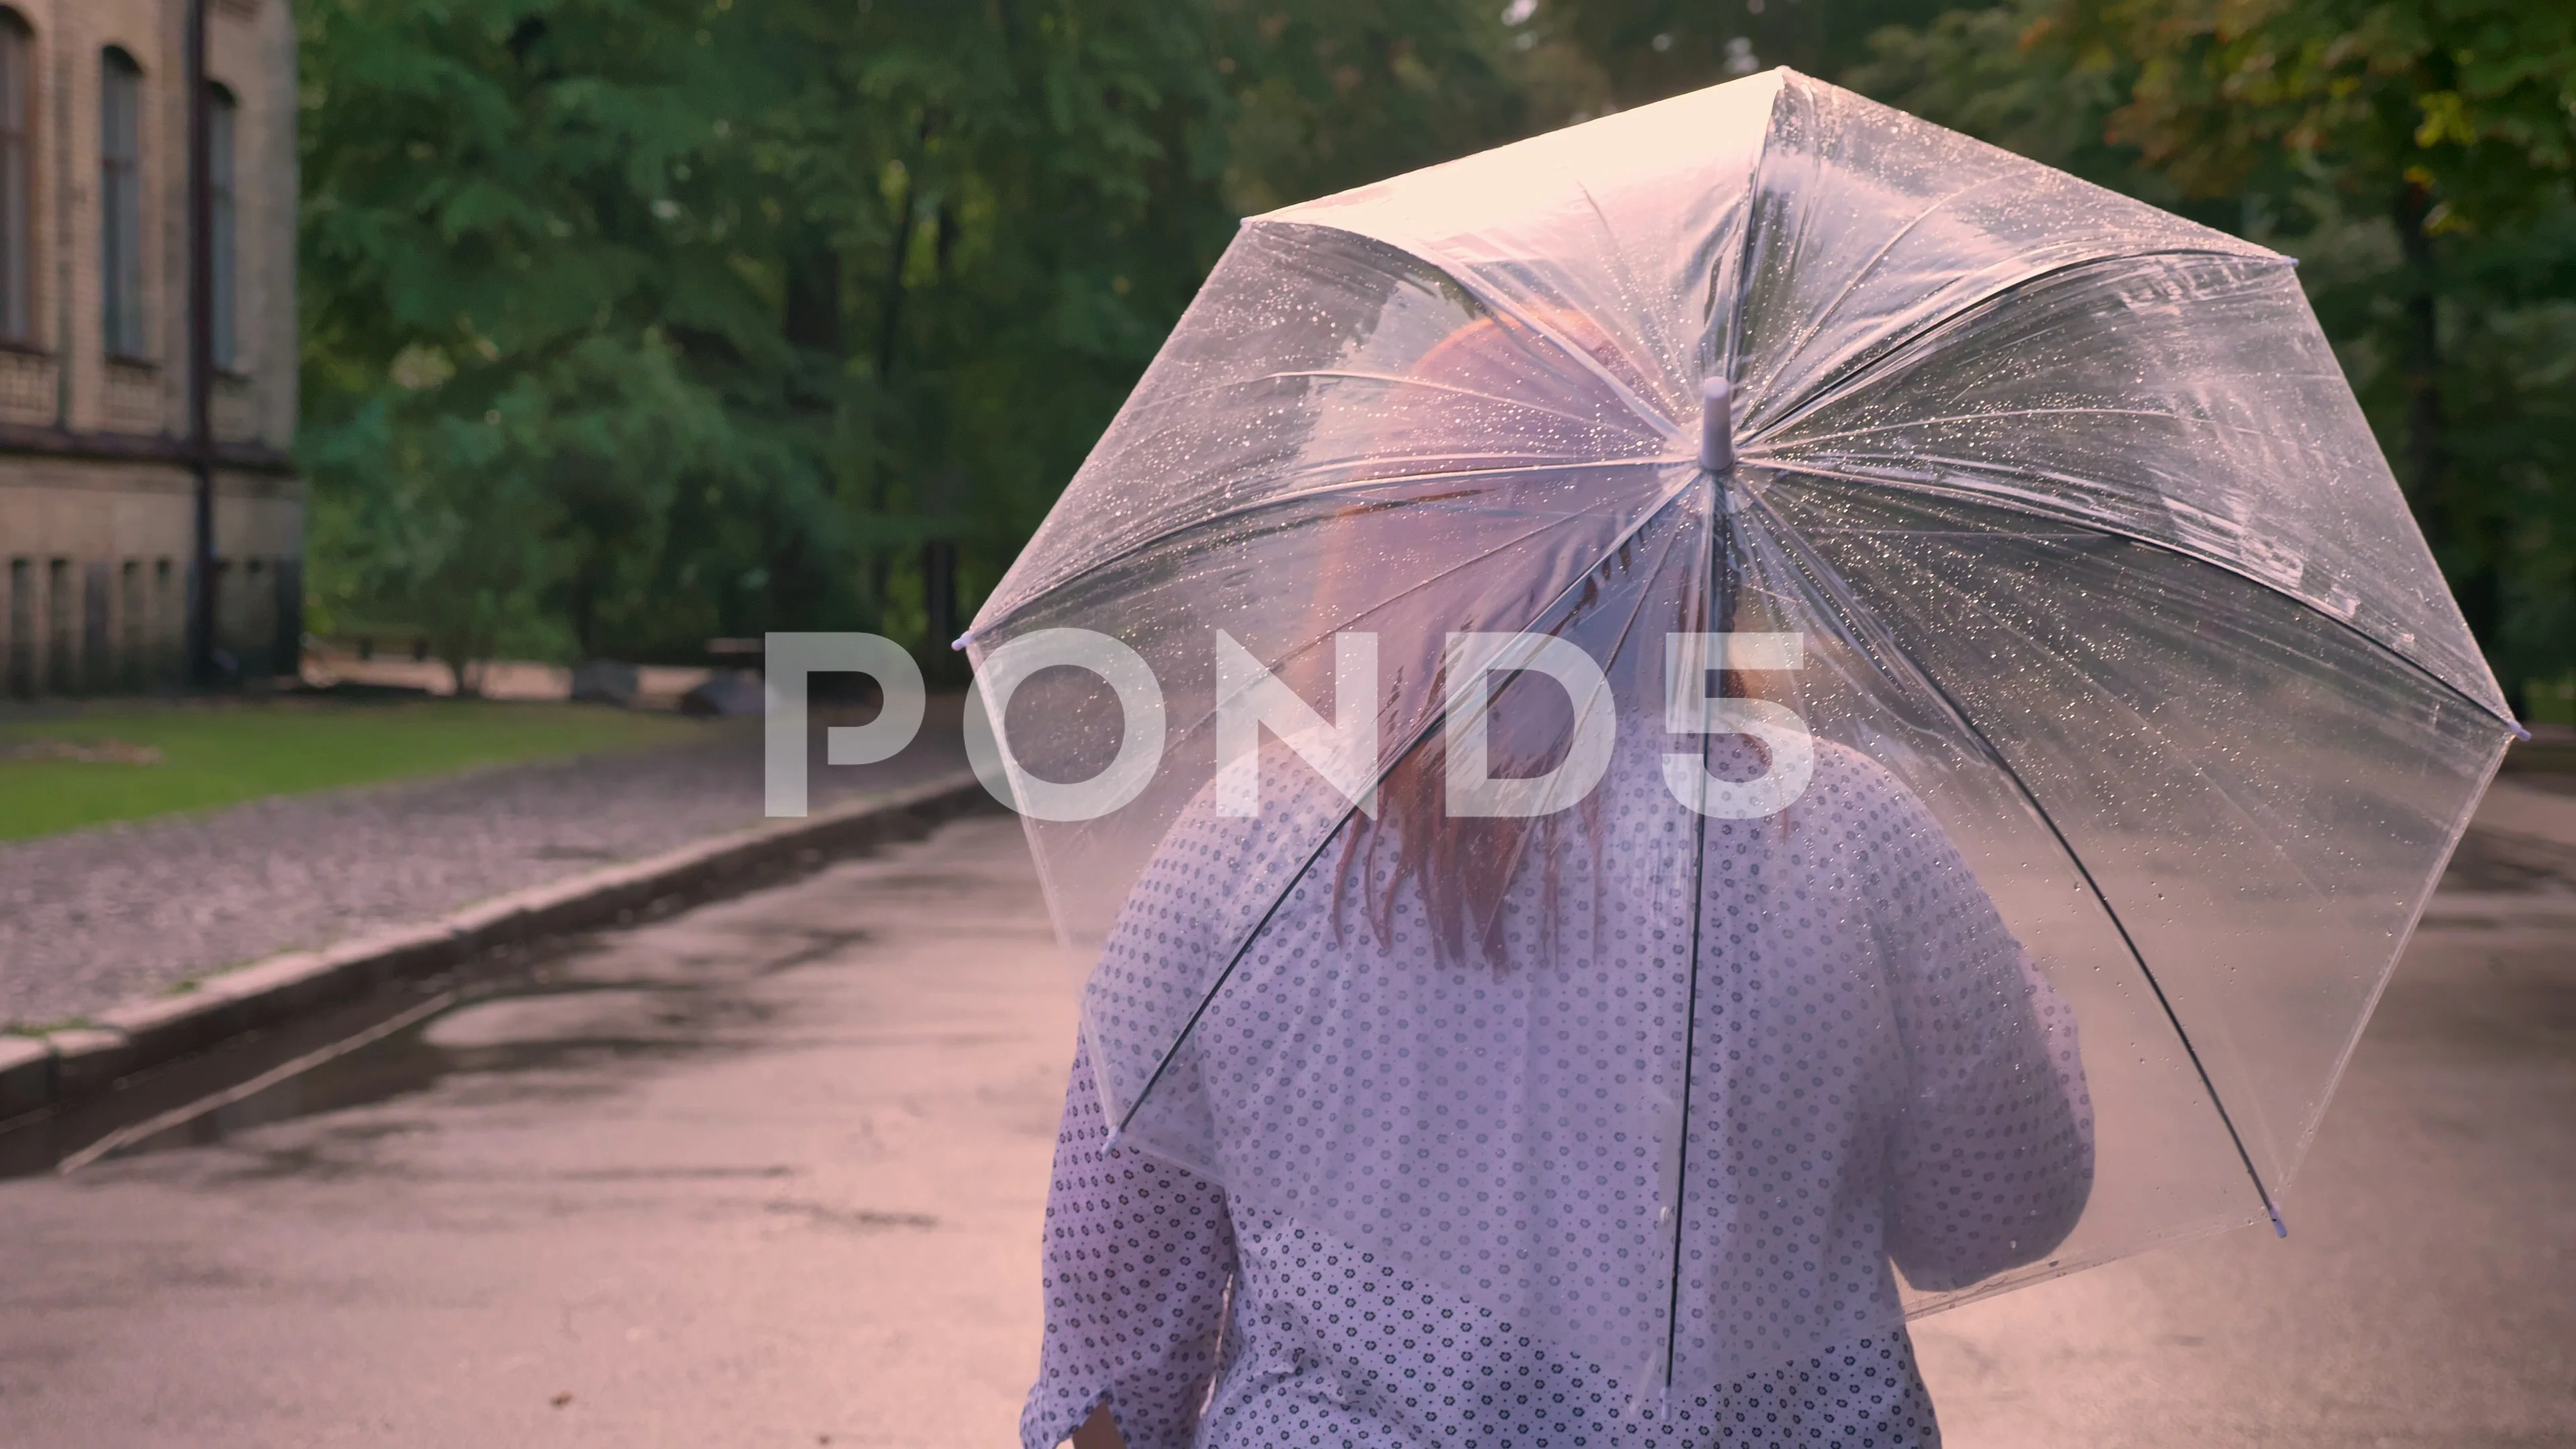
(98,917)
(71,1066)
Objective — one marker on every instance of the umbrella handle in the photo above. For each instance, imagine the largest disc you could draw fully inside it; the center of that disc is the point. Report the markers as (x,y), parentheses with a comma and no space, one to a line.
(1716,425)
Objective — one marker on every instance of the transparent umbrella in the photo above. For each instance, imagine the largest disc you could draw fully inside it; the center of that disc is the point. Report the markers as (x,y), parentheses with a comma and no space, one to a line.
(1733,724)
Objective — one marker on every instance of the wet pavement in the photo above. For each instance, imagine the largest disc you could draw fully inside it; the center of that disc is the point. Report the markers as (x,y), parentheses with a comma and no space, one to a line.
(2426,1294)
(770,1173)
(766,1173)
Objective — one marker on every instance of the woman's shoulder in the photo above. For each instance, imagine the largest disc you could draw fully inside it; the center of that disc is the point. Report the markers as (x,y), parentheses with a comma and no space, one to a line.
(1862,805)
(1842,784)
(1217,857)
(1846,776)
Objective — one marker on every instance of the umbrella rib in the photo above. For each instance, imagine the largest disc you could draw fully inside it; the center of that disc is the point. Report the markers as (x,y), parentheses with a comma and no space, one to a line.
(1817,325)
(1823,579)
(1836,387)
(1439,717)
(1690,1052)
(2139,721)
(1515,541)
(1355,375)
(1731,358)
(1617,647)
(1152,541)
(1652,316)
(1452,388)
(1690,992)
(1469,282)
(1808,438)
(2044,513)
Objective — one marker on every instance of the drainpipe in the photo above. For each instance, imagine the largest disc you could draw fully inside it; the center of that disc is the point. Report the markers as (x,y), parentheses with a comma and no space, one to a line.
(201,352)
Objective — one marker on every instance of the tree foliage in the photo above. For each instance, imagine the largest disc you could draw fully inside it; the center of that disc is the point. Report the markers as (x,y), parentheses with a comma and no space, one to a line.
(2418,156)
(635,322)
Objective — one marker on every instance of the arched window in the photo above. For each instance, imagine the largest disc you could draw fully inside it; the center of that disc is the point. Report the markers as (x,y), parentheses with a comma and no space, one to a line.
(17,178)
(120,194)
(221,113)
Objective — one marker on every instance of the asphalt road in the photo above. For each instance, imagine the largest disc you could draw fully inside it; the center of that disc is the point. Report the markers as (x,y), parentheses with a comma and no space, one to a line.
(2426,1294)
(770,1174)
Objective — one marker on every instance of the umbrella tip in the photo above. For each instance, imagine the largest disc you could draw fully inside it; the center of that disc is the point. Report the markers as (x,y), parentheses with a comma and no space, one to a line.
(1716,425)
(2280,1229)
(959,643)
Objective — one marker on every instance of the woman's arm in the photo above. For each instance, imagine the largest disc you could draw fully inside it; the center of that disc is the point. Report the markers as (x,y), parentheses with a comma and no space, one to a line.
(1138,1259)
(1991,1159)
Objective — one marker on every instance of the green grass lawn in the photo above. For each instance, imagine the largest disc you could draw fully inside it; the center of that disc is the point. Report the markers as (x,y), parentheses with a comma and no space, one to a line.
(222,752)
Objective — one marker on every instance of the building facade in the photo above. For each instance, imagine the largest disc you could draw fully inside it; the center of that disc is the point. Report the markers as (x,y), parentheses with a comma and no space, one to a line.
(97,515)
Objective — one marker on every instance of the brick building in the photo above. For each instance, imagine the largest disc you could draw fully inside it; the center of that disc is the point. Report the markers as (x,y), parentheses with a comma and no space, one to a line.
(96,484)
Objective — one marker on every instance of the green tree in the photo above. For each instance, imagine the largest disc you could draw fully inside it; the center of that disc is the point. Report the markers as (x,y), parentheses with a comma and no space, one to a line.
(494,263)
(1324,95)
(1584,57)
(785,313)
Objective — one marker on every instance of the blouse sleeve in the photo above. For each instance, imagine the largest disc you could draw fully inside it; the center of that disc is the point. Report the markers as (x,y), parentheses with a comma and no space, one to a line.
(1991,1161)
(1138,1262)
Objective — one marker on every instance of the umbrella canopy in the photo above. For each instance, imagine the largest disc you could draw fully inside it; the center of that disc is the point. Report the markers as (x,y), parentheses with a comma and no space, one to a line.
(1845,721)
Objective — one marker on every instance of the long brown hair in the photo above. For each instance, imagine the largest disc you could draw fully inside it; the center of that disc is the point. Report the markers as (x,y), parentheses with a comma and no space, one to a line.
(1466,868)
(1463,867)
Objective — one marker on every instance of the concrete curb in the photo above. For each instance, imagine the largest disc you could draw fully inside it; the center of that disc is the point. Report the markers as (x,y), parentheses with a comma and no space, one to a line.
(66,1068)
